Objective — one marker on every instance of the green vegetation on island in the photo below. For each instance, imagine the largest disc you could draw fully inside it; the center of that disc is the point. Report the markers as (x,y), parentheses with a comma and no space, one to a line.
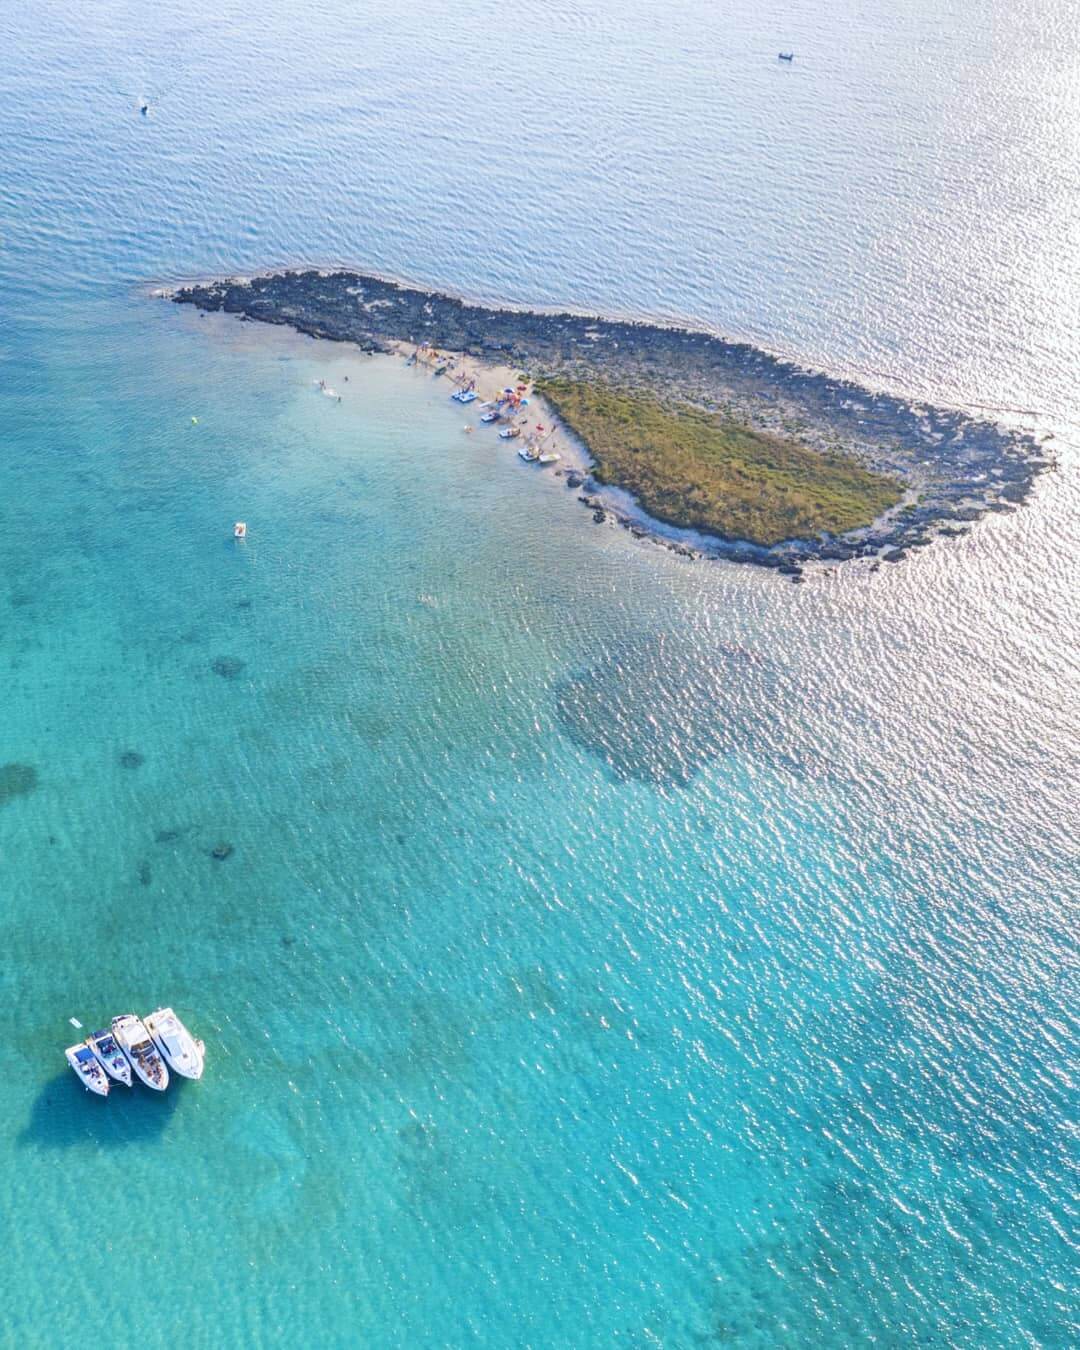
(699,470)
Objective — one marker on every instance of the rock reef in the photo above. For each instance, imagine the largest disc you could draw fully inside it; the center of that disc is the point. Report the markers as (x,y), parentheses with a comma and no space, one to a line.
(956,468)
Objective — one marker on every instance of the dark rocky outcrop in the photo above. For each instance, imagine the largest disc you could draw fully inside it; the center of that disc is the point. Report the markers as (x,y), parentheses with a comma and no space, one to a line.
(958,468)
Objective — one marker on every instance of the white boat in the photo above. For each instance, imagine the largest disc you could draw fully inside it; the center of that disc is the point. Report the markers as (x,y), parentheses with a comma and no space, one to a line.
(91,1074)
(548,457)
(144,1057)
(509,433)
(464,395)
(103,1047)
(181,1050)
(528,454)
(492,415)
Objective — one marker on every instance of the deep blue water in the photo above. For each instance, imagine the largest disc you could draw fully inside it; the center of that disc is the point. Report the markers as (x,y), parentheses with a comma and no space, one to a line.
(614,950)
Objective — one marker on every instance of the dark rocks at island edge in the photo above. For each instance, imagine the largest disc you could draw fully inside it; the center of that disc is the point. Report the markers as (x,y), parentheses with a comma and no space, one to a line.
(956,468)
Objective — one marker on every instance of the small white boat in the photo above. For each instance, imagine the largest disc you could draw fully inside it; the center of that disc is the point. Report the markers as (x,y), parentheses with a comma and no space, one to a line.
(181,1050)
(90,1073)
(239,530)
(464,395)
(108,1054)
(144,1057)
(528,454)
(548,457)
(509,433)
(492,415)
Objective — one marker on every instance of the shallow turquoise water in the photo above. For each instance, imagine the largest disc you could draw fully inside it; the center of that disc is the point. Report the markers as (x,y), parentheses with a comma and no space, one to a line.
(613,950)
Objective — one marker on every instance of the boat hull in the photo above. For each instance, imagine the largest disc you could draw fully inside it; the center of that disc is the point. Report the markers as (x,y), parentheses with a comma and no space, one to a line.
(117,1066)
(185,1056)
(141,1052)
(97,1081)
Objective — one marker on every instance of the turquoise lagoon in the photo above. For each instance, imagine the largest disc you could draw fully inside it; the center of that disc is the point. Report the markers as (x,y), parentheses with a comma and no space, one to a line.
(613,950)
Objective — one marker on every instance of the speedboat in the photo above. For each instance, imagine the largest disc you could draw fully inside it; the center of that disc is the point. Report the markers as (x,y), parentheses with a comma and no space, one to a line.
(509,433)
(786,56)
(528,454)
(548,457)
(91,1074)
(492,415)
(108,1054)
(181,1050)
(144,1057)
(464,395)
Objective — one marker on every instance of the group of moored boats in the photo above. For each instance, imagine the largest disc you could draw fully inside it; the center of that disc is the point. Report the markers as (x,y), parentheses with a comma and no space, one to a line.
(149,1046)
(501,410)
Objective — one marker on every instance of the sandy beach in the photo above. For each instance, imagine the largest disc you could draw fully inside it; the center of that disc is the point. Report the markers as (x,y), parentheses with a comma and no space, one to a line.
(536,420)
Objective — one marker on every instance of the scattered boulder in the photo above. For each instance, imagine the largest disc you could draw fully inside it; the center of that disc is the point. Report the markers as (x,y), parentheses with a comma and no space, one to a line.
(222,851)
(228,667)
(131,759)
(16,780)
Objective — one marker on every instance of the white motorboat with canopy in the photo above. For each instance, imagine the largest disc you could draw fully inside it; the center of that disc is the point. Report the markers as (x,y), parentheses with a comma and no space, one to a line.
(84,1062)
(108,1054)
(182,1052)
(144,1057)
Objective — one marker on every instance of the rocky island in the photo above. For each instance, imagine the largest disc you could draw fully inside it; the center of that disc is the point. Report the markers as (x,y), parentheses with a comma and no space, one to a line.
(764,461)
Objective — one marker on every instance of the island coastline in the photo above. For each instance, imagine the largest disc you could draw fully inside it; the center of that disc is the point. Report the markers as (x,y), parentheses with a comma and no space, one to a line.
(953,468)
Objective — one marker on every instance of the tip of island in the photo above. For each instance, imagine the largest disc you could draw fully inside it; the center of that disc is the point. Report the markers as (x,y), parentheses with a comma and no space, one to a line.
(714,447)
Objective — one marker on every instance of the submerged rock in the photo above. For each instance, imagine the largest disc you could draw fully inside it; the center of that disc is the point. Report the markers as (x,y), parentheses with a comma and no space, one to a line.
(222,851)
(228,667)
(16,780)
(131,759)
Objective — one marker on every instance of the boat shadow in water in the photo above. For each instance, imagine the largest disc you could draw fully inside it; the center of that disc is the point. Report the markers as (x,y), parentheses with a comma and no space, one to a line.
(65,1115)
